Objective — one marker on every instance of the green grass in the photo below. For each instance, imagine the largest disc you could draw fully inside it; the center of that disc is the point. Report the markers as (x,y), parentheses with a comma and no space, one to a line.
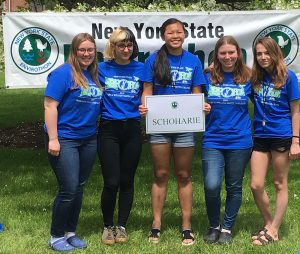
(20,106)
(28,186)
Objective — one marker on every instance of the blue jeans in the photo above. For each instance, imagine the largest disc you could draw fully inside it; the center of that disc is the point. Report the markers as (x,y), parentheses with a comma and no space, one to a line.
(216,163)
(72,168)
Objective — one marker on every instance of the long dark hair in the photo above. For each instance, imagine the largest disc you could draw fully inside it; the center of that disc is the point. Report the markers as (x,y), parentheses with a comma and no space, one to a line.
(161,68)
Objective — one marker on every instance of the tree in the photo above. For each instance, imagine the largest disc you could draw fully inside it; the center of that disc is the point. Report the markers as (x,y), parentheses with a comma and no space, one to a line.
(163,5)
(27,45)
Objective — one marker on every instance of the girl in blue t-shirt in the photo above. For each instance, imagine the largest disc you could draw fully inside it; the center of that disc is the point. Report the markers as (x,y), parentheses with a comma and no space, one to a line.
(119,138)
(276,133)
(172,70)
(227,141)
(72,108)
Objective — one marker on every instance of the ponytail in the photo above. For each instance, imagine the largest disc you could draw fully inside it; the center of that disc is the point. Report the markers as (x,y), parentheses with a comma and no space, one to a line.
(161,69)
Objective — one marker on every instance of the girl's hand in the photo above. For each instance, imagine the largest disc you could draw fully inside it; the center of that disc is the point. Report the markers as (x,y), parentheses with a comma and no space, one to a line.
(207,108)
(294,151)
(54,147)
(143,110)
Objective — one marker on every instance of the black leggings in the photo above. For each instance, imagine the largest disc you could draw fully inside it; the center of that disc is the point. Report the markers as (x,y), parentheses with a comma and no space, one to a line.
(119,150)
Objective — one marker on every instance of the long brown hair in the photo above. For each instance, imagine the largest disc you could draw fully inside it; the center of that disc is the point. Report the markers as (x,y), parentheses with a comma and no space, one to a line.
(77,73)
(279,70)
(241,72)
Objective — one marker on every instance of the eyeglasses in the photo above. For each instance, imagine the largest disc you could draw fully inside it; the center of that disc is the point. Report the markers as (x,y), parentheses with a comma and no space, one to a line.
(122,46)
(83,50)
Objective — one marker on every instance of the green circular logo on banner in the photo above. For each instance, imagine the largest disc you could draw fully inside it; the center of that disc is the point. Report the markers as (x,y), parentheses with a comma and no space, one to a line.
(285,37)
(34,50)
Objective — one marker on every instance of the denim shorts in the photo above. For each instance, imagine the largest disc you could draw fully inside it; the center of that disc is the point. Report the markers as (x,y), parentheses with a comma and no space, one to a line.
(176,139)
(276,144)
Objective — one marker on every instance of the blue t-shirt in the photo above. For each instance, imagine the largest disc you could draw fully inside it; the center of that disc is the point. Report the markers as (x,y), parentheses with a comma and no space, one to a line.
(228,124)
(122,89)
(272,117)
(79,108)
(186,71)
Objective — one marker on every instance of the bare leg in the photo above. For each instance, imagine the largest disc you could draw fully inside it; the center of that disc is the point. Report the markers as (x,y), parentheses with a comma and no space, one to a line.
(183,157)
(281,164)
(259,168)
(161,154)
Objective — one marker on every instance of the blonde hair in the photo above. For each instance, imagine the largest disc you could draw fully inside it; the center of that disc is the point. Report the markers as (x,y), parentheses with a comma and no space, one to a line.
(279,70)
(120,34)
(241,72)
(77,74)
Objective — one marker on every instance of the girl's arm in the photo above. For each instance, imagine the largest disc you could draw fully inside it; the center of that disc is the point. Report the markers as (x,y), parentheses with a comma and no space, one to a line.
(295,149)
(50,106)
(147,90)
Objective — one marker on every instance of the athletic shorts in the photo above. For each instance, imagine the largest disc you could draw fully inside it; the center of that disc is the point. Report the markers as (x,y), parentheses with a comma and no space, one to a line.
(176,139)
(276,144)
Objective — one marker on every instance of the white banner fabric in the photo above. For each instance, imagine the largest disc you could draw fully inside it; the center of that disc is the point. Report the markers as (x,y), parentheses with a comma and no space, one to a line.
(36,43)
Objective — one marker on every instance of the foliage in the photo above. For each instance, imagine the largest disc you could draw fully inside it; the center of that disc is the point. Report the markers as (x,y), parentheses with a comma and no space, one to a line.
(1,47)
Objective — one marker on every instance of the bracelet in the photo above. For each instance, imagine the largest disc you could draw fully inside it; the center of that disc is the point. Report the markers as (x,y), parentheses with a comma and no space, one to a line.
(295,136)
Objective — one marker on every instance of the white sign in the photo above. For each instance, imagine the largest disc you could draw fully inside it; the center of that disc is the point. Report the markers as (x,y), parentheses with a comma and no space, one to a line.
(175,113)
(37,43)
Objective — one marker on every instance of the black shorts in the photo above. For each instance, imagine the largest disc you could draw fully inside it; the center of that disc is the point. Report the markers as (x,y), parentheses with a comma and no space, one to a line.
(276,144)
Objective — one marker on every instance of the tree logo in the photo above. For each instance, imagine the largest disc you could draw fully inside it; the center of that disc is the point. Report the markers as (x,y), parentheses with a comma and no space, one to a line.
(174,104)
(34,50)
(285,37)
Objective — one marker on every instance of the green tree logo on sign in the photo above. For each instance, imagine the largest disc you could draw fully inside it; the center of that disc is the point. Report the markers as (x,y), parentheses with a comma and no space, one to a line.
(34,50)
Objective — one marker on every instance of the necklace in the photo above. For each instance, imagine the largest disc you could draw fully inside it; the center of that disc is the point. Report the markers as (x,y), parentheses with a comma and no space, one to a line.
(265,91)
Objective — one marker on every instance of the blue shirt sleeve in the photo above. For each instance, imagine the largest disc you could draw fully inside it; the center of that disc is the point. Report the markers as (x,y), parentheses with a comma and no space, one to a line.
(58,83)
(292,86)
(147,75)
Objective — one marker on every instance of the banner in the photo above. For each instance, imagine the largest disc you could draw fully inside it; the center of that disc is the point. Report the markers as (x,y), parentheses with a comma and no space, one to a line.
(37,43)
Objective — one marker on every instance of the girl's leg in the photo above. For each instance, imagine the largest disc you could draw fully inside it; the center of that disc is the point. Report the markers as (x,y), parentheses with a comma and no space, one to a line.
(281,164)
(109,155)
(259,168)
(87,154)
(131,147)
(213,165)
(235,163)
(183,157)
(161,154)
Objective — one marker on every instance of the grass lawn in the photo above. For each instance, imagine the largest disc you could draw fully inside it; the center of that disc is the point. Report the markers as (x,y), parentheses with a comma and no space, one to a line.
(28,187)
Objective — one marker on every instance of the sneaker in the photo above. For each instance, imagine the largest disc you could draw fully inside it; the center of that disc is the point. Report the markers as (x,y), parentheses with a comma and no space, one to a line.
(61,245)
(76,242)
(212,235)
(121,235)
(225,237)
(108,236)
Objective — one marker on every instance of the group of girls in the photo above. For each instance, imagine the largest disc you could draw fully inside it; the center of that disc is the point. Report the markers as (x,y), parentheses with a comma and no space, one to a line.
(80,91)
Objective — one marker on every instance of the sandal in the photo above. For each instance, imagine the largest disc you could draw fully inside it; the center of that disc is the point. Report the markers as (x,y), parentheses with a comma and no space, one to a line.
(154,235)
(187,234)
(258,233)
(264,239)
